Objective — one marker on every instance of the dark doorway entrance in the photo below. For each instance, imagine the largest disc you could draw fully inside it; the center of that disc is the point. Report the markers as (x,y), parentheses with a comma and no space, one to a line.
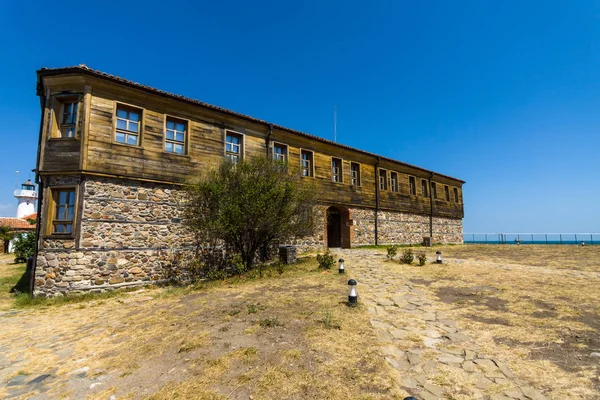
(334,227)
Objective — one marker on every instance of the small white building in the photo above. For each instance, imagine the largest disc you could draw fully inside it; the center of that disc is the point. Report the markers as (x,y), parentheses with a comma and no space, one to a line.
(20,224)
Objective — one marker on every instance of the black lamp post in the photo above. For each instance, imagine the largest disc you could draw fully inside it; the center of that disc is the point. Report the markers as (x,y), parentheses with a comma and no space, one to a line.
(353,295)
(341,266)
(439,257)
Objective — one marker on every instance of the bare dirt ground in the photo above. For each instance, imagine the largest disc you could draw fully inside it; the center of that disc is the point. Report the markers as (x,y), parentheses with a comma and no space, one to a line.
(532,311)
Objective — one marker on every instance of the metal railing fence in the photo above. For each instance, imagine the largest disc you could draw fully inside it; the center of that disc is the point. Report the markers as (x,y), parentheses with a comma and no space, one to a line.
(532,238)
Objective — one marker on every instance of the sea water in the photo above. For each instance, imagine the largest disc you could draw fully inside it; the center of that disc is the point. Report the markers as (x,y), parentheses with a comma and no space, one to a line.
(536,238)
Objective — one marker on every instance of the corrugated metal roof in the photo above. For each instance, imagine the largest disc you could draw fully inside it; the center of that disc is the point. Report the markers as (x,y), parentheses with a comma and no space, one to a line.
(82,68)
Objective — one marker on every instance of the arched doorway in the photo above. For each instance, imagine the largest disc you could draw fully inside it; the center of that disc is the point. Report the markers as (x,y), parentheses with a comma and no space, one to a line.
(338,227)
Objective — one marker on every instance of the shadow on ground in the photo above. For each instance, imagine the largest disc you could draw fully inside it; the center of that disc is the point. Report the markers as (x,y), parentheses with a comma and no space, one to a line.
(22,286)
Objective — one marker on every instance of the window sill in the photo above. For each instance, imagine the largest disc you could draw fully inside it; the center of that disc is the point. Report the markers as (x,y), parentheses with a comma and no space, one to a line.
(129,146)
(177,155)
(63,139)
(54,236)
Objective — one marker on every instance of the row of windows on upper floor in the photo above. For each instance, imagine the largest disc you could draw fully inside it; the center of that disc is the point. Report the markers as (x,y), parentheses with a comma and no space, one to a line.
(391,183)
(127,127)
(386,183)
(127,130)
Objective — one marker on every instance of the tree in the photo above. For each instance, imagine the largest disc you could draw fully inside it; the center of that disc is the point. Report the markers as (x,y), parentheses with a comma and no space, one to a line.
(6,235)
(250,205)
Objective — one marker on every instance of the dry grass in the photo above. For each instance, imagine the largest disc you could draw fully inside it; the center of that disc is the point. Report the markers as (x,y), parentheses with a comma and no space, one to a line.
(537,307)
(292,336)
(10,275)
(286,336)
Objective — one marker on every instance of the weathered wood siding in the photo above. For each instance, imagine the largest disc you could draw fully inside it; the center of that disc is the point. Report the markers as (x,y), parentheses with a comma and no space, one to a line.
(205,148)
(205,142)
(62,155)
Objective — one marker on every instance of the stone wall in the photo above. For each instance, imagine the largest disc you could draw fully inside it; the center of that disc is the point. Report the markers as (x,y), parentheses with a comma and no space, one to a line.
(363,226)
(131,233)
(397,227)
(316,240)
(134,233)
(402,228)
(133,214)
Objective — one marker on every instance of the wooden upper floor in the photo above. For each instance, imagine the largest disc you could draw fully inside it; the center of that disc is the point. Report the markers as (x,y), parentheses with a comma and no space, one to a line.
(95,123)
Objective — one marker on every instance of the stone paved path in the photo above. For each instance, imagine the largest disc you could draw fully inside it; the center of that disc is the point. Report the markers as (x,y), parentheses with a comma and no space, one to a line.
(433,357)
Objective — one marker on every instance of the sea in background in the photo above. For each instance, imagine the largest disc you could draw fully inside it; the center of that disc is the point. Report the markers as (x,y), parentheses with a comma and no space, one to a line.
(533,238)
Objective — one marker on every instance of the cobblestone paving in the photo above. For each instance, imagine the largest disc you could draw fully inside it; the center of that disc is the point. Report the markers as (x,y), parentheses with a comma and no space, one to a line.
(433,357)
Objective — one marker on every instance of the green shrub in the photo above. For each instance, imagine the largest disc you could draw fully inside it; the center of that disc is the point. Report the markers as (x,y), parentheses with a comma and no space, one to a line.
(270,322)
(215,272)
(392,251)
(407,256)
(260,267)
(254,308)
(238,264)
(24,246)
(422,259)
(326,261)
(249,206)
(328,321)
(252,274)
(279,267)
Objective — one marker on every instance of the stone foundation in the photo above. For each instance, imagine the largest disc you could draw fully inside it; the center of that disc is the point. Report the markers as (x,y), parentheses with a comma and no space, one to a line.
(134,233)
(405,228)
(130,233)
(400,228)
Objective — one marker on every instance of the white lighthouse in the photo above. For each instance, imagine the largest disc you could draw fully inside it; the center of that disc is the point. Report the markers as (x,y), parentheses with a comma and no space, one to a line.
(27,196)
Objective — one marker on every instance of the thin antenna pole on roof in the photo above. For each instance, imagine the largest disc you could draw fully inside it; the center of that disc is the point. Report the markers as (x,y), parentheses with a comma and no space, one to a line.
(335,124)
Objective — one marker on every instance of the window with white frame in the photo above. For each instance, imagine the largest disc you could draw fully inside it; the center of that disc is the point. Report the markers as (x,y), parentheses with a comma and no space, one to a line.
(68,119)
(355,174)
(336,170)
(383,182)
(233,146)
(447,192)
(128,125)
(394,181)
(279,152)
(175,133)
(434,190)
(306,162)
(424,191)
(412,185)
(456,199)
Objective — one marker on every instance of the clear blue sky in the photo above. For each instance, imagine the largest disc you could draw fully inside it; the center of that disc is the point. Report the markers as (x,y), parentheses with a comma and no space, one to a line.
(504,95)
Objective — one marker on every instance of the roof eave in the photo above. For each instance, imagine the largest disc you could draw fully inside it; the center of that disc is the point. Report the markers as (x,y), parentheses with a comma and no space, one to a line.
(148,89)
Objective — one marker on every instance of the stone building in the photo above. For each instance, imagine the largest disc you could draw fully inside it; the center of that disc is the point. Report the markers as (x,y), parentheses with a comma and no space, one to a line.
(113,156)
